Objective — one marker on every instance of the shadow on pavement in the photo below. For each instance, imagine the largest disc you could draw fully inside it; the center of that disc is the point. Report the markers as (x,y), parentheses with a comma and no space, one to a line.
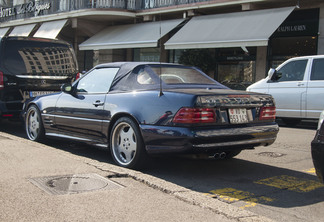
(304,124)
(242,179)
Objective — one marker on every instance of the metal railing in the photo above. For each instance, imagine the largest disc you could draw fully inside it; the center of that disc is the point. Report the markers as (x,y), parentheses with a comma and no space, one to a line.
(70,5)
(147,4)
(35,8)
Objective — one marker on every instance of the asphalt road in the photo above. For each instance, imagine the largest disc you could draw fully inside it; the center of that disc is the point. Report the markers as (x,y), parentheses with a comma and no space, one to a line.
(277,181)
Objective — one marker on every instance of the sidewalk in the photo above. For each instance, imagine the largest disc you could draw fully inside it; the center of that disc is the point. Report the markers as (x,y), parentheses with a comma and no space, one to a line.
(41,183)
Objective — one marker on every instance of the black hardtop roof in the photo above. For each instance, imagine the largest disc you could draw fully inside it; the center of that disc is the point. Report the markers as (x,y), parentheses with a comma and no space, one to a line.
(24,38)
(126,67)
(132,65)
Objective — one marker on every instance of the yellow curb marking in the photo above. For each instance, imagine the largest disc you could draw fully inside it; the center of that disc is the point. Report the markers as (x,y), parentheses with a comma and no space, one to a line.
(283,182)
(291,183)
(312,170)
(232,195)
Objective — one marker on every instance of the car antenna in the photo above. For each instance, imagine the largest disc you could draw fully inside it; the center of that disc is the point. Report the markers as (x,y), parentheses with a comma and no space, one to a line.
(298,4)
(160,42)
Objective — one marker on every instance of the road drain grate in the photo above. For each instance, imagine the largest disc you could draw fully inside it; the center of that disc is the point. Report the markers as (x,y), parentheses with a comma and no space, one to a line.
(72,184)
(271,154)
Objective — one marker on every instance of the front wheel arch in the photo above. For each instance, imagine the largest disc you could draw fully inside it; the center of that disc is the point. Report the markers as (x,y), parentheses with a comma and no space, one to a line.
(115,118)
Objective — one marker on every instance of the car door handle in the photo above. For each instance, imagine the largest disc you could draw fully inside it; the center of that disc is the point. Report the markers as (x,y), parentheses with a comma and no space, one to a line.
(300,84)
(98,103)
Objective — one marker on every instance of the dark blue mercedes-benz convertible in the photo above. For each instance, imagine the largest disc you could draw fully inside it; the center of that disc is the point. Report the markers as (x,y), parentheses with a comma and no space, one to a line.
(141,109)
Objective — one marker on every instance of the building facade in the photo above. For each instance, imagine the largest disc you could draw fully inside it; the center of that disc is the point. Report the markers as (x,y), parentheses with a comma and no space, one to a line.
(234,41)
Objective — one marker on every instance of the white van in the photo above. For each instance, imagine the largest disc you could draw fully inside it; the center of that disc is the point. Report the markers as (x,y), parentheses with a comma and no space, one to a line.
(297,86)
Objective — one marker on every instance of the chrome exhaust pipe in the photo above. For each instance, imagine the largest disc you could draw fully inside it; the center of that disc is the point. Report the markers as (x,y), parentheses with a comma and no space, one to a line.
(222,155)
(216,155)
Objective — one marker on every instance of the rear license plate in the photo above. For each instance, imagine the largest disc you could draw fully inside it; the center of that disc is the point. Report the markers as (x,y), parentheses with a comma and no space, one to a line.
(40,93)
(238,115)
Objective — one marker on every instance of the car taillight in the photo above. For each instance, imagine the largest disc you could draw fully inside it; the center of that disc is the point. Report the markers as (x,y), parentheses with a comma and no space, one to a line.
(268,113)
(7,115)
(1,80)
(78,75)
(195,115)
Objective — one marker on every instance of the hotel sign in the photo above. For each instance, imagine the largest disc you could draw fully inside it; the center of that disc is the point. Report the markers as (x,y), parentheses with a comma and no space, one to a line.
(30,7)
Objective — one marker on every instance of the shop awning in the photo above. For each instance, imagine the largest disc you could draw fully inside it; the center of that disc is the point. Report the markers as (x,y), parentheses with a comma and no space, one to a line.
(242,29)
(3,31)
(50,29)
(140,35)
(22,30)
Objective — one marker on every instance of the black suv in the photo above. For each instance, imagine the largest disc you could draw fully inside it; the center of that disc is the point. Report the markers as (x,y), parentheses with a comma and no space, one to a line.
(30,67)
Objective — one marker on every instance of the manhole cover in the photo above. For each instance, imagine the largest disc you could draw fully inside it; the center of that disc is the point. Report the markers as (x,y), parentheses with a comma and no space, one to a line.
(271,154)
(70,184)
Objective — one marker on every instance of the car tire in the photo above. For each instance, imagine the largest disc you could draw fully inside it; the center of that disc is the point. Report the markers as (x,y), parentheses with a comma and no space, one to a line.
(126,144)
(34,125)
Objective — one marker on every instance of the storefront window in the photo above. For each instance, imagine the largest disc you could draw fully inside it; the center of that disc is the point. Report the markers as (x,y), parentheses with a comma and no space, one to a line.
(233,67)
(236,75)
(147,55)
(236,67)
(174,55)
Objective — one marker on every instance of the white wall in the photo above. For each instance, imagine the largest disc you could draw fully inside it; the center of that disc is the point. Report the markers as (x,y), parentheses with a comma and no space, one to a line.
(19,2)
(5,3)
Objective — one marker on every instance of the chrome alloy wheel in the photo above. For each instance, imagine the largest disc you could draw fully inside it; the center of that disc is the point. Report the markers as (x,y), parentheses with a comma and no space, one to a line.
(34,128)
(124,143)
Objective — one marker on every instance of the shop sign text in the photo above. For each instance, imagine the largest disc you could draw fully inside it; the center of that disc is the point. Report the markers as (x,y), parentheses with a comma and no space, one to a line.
(29,7)
(292,28)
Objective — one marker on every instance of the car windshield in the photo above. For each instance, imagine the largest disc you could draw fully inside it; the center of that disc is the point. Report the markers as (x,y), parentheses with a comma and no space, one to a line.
(181,75)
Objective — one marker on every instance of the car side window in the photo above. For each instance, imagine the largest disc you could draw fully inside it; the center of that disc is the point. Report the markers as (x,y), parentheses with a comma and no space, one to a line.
(292,71)
(97,81)
(318,69)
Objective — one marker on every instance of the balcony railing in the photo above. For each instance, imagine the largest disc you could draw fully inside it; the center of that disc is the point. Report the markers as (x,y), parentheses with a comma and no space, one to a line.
(147,4)
(35,8)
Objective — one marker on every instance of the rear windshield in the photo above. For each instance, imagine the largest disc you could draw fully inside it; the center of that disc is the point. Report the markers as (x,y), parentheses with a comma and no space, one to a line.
(154,76)
(181,75)
(37,57)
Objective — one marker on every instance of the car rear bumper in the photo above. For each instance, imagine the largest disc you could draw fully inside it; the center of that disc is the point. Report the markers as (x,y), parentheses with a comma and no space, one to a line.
(318,158)
(159,139)
(10,109)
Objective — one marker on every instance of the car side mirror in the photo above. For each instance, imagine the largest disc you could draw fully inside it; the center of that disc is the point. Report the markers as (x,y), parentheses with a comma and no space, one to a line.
(271,73)
(274,75)
(67,88)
